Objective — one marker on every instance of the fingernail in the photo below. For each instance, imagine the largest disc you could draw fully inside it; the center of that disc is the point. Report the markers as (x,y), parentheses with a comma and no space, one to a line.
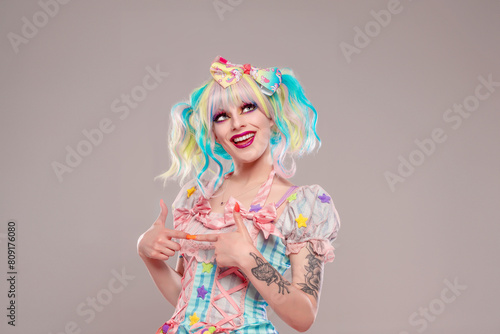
(190,237)
(237,207)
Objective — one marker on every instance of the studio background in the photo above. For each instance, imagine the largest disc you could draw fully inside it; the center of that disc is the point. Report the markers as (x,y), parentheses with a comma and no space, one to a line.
(415,180)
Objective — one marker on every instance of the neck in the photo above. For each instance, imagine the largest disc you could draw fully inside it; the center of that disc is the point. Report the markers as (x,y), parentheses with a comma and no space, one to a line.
(258,170)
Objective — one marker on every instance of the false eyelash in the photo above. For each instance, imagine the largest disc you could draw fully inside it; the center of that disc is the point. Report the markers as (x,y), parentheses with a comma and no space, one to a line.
(218,114)
(249,104)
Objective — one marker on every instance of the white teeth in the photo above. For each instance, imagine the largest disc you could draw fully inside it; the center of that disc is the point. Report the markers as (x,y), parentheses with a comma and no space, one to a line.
(242,138)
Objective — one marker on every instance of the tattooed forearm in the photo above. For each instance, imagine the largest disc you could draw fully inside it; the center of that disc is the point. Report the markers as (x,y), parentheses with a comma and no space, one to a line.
(313,275)
(267,273)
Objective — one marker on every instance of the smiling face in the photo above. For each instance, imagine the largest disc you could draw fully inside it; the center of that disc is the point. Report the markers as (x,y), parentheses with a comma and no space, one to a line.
(244,131)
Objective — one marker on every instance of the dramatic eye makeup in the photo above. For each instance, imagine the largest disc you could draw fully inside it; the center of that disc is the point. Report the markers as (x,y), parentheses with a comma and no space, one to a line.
(247,107)
(220,116)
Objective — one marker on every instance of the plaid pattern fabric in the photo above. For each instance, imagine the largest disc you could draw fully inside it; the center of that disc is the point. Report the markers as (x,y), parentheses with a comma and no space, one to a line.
(231,303)
(245,308)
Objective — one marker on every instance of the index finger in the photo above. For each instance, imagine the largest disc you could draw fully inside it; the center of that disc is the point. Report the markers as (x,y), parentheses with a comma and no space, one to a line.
(177,234)
(238,220)
(203,237)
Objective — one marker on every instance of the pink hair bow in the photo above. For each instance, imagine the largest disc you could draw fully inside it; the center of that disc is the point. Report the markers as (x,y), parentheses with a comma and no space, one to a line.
(226,74)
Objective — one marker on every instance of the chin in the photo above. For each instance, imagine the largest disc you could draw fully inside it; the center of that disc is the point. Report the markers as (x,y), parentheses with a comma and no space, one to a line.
(248,158)
(244,160)
(256,151)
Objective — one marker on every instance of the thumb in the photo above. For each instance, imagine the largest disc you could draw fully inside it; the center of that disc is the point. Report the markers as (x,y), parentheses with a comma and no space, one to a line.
(163,214)
(238,220)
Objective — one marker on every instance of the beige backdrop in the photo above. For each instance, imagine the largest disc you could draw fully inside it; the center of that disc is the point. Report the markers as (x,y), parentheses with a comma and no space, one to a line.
(408,95)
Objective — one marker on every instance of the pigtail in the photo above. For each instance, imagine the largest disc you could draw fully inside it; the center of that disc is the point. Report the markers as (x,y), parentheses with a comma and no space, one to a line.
(190,141)
(295,120)
(185,153)
(194,151)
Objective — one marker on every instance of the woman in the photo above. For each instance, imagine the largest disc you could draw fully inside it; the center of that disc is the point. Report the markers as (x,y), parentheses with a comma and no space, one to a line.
(239,231)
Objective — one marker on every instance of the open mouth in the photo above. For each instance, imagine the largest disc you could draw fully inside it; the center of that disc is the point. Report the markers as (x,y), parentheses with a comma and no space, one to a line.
(244,139)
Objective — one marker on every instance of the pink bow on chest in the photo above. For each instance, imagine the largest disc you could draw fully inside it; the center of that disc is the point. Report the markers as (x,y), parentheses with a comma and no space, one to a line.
(199,211)
(262,220)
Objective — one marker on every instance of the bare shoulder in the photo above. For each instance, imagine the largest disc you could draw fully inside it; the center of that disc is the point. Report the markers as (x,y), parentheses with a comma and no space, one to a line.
(282,183)
(279,188)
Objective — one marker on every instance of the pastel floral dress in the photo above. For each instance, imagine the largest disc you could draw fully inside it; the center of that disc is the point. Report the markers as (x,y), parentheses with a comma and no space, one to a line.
(217,299)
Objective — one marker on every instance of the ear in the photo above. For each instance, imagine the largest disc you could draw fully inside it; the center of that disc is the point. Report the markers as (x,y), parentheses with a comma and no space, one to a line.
(271,122)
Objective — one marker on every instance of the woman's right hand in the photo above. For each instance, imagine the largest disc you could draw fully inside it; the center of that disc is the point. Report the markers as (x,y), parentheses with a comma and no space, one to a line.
(156,242)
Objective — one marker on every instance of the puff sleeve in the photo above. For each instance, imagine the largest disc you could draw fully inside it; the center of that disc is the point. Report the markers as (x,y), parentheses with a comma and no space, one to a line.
(310,216)
(185,200)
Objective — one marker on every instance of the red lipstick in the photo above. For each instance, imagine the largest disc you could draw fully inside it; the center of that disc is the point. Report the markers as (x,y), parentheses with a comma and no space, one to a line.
(240,142)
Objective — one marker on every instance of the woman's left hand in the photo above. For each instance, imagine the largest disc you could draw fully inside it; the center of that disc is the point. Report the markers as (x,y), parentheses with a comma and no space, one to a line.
(233,247)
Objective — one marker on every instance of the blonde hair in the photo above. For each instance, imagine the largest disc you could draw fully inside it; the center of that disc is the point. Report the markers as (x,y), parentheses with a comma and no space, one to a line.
(192,144)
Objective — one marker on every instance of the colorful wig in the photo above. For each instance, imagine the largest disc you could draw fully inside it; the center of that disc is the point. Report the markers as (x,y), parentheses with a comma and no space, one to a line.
(192,143)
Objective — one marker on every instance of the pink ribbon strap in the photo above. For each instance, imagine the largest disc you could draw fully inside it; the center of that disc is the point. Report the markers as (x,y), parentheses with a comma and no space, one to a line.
(205,329)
